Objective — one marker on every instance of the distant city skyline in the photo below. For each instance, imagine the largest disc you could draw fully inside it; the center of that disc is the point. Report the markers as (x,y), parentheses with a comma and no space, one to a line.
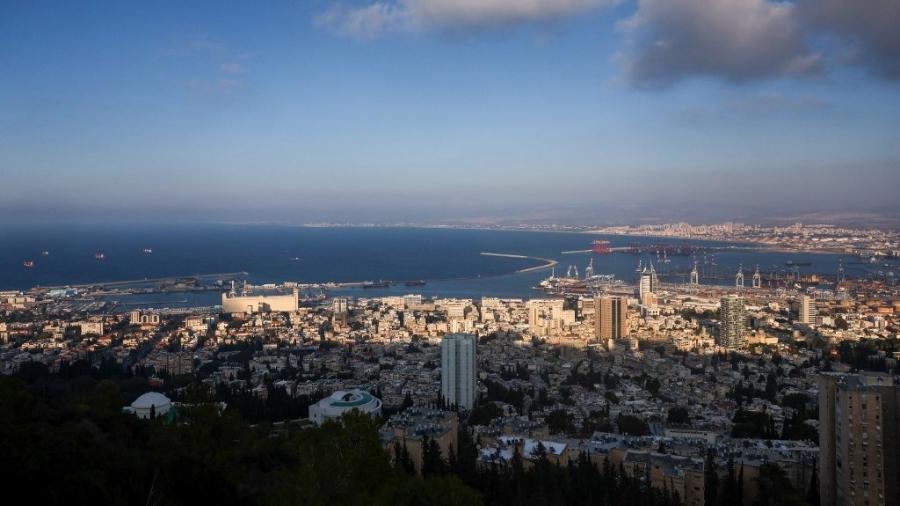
(603,111)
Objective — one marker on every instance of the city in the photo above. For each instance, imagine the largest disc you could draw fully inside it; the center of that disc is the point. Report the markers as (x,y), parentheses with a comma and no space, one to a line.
(680,384)
(450,252)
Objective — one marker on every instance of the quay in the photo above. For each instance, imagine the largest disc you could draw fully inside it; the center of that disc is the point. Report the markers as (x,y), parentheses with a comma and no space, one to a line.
(547,262)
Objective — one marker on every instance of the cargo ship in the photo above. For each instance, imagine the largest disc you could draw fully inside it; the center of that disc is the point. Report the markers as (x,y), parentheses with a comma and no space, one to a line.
(28,264)
(791,263)
(600,247)
(417,282)
(376,284)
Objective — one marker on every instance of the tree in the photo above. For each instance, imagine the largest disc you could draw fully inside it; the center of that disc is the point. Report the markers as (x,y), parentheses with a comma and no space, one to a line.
(632,425)
(771,386)
(840,323)
(752,424)
(711,480)
(432,460)
(560,421)
(812,496)
(407,402)
(730,495)
(402,461)
(774,486)
(483,413)
(678,415)
(652,385)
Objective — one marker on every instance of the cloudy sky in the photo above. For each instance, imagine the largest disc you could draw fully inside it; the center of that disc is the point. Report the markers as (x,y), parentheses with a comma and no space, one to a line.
(435,109)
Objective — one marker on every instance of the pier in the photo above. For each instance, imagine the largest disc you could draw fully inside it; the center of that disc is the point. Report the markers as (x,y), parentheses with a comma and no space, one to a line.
(168,279)
(547,262)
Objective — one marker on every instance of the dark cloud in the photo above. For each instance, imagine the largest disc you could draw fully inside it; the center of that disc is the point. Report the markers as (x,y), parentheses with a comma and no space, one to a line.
(735,40)
(870,27)
(749,40)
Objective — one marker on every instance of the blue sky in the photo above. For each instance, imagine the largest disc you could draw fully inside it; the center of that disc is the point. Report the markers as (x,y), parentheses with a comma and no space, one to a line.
(431,109)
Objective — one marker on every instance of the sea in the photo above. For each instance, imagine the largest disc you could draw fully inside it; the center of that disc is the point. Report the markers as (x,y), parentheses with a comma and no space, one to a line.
(448,260)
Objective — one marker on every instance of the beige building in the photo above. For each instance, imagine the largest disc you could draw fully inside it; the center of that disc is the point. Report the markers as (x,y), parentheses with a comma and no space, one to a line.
(410,429)
(807,310)
(859,425)
(610,318)
(139,318)
(260,303)
(545,316)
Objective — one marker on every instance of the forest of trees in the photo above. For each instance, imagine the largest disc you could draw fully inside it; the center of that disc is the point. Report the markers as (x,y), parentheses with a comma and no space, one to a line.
(65,440)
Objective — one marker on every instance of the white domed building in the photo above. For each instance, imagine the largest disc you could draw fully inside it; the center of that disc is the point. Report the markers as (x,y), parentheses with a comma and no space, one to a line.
(344,401)
(151,402)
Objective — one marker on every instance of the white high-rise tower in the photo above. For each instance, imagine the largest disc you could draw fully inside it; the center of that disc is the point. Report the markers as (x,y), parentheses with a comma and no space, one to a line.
(458,369)
(647,282)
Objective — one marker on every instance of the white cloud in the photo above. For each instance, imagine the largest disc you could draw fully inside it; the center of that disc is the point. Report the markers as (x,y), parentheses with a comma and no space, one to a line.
(232,68)
(385,16)
(735,40)
(220,87)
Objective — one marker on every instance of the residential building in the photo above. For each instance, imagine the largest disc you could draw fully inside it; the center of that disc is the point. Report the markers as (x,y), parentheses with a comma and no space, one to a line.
(859,427)
(458,370)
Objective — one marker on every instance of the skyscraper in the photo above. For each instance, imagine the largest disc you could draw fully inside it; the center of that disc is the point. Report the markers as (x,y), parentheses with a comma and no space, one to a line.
(732,322)
(458,369)
(610,318)
(647,282)
(859,427)
(339,305)
(807,310)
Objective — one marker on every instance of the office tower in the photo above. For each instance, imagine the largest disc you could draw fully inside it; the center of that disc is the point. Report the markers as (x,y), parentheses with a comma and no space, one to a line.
(732,322)
(610,318)
(807,313)
(458,370)
(647,283)
(339,305)
(859,427)
(340,309)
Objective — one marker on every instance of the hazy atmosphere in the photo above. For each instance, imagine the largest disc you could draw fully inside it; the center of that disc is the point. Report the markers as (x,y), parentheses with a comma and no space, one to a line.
(580,110)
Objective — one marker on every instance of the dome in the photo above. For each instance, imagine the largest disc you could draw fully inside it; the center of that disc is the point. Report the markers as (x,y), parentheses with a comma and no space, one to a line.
(343,401)
(151,399)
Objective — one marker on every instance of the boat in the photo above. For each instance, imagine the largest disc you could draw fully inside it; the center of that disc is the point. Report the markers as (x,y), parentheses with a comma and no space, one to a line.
(99,256)
(418,282)
(374,284)
(791,263)
(28,264)
(45,253)
(599,247)
(148,251)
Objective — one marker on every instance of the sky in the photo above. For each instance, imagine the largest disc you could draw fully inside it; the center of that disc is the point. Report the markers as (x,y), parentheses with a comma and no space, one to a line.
(428,110)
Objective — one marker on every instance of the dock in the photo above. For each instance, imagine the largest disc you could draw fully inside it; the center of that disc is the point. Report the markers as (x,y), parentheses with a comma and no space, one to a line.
(547,262)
